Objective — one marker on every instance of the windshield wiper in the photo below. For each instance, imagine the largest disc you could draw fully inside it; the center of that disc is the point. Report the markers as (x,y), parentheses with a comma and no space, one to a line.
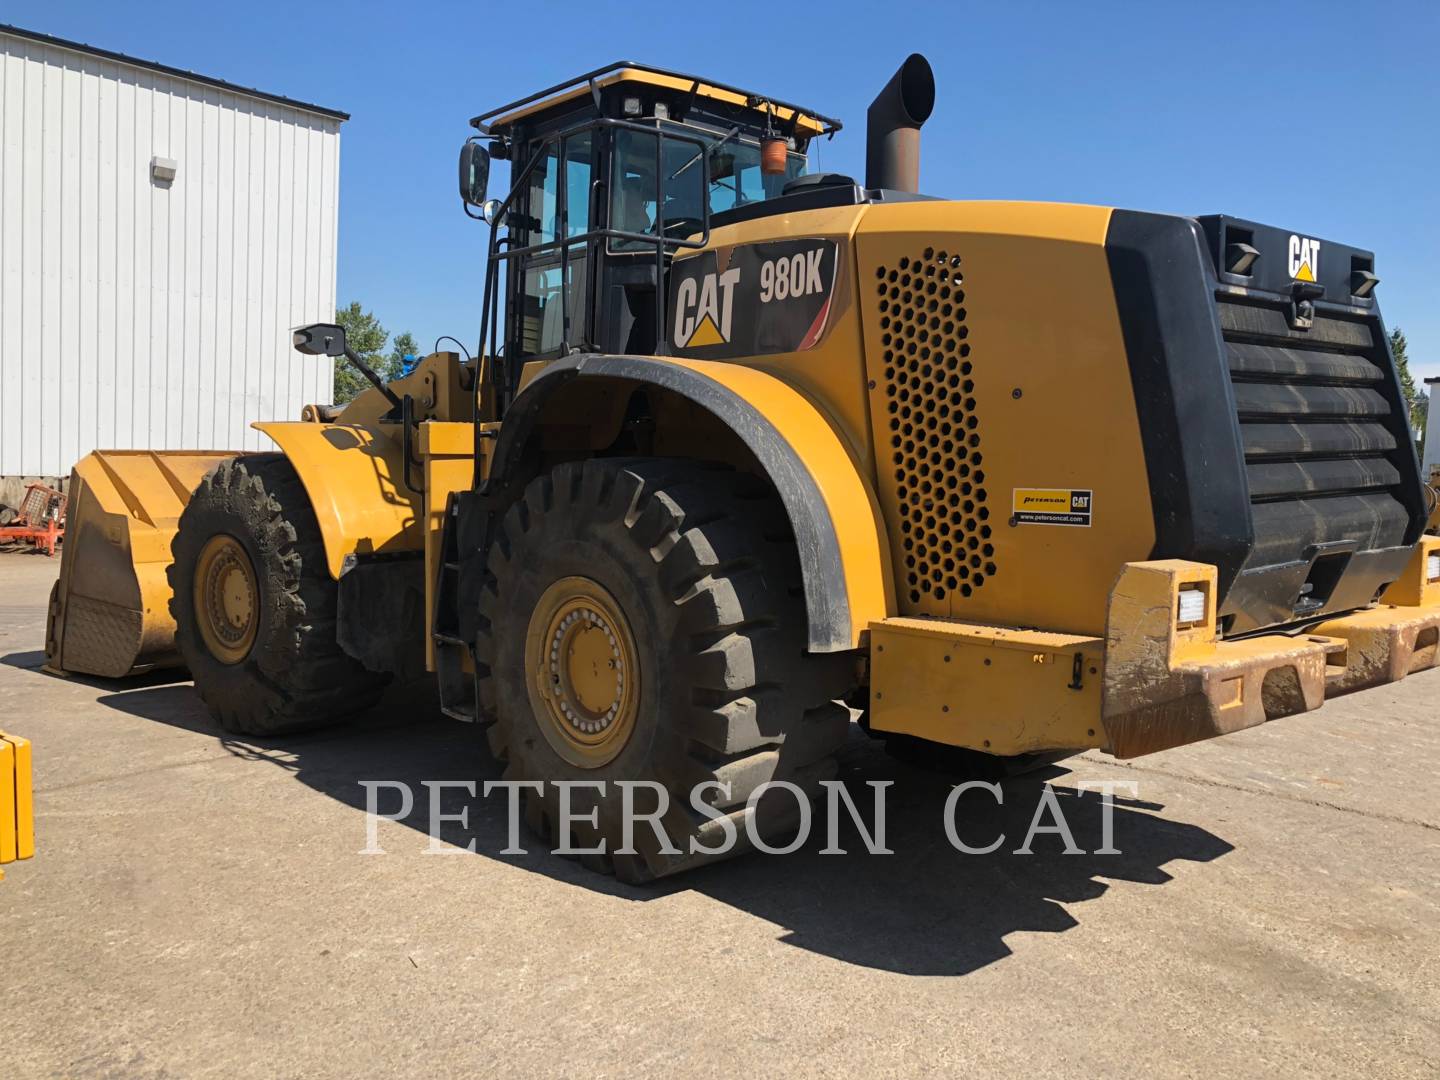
(708,150)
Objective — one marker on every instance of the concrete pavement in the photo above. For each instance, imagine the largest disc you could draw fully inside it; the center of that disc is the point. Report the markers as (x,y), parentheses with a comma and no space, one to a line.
(198,907)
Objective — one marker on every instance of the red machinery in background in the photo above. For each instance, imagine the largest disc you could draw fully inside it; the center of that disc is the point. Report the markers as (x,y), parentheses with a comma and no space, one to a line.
(41,519)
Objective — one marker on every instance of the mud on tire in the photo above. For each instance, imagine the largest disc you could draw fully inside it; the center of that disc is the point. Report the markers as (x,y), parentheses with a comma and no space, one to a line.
(295,676)
(703,565)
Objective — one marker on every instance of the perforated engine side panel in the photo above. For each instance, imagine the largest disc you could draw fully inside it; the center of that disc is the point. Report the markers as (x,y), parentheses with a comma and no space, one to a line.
(932,414)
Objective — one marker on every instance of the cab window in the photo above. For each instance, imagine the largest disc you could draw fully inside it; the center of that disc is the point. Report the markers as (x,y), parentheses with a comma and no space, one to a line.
(554,294)
(635,186)
(735,178)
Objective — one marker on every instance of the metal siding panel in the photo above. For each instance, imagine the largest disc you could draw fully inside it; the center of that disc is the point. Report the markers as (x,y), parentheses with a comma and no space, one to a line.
(285,390)
(254,274)
(323,295)
(322,372)
(267,407)
(330,240)
(136,315)
(322,264)
(100,370)
(81,408)
(240,294)
(66,436)
(143,353)
(302,261)
(12,260)
(79,403)
(192,359)
(51,342)
(158,209)
(1432,430)
(174,324)
(314,154)
(126,397)
(222,172)
(32,283)
(203,361)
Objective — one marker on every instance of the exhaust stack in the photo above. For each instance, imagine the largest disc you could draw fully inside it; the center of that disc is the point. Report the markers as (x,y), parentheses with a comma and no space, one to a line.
(892,136)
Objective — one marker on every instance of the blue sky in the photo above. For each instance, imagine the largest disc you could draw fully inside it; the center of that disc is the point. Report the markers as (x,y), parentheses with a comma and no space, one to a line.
(1322,117)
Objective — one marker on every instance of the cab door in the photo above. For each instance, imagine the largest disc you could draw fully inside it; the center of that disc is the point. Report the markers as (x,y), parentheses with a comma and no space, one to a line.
(551,309)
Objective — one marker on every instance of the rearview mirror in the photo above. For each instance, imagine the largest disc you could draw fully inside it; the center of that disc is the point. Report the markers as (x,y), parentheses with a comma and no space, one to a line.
(320,339)
(474,173)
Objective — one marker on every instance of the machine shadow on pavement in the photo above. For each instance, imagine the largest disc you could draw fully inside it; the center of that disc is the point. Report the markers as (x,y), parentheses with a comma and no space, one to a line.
(928,909)
(34,660)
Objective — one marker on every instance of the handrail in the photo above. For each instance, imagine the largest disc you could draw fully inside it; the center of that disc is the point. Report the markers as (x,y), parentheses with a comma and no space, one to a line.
(480,123)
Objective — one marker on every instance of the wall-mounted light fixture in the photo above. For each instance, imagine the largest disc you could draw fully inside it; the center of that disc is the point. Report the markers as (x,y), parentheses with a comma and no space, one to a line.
(162,170)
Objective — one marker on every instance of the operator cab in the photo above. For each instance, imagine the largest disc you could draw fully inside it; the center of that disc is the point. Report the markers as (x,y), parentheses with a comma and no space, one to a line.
(613,172)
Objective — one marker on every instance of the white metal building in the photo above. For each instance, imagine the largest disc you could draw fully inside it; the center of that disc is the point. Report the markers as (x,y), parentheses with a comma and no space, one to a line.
(1431,459)
(160,233)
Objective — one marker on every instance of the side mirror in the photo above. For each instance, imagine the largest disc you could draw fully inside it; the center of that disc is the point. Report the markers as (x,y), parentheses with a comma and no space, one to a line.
(327,339)
(474,173)
(320,339)
(490,211)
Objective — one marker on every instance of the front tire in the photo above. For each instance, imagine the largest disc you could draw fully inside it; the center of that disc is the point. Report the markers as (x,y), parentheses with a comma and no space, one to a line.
(255,606)
(644,620)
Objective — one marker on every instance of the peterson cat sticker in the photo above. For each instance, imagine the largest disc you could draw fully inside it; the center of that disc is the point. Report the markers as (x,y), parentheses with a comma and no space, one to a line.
(1052,506)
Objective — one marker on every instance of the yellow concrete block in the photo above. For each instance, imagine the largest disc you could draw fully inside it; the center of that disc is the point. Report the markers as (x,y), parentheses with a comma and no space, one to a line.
(17,806)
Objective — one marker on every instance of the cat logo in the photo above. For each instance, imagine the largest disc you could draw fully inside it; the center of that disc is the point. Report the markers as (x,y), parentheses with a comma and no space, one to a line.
(703,308)
(1304,258)
(752,299)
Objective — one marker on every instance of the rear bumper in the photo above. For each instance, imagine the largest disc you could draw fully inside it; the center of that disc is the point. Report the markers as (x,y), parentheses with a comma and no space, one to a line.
(1149,684)
(1166,687)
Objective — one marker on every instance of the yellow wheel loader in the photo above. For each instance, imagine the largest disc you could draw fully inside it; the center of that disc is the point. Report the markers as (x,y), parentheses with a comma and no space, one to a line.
(741,442)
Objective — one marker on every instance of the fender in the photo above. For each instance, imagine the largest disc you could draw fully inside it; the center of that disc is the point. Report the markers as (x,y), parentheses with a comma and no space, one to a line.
(833,511)
(354,477)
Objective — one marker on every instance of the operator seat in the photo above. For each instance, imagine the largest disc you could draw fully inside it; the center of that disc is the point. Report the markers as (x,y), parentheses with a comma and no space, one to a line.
(630,210)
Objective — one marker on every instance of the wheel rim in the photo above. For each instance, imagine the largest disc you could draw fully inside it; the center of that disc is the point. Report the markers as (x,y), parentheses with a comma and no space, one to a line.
(581,657)
(227,600)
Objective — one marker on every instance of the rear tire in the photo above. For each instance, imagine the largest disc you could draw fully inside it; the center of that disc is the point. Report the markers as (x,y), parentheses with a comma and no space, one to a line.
(278,668)
(693,574)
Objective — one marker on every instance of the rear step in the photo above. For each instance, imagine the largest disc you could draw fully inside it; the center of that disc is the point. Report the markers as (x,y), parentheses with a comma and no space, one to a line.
(454,654)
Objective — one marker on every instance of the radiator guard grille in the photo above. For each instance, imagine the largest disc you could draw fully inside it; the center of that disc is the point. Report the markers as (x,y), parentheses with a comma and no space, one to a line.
(934,428)
(1323,434)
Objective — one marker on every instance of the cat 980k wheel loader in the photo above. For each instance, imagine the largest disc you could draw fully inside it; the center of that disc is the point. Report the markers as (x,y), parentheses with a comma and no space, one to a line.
(742,441)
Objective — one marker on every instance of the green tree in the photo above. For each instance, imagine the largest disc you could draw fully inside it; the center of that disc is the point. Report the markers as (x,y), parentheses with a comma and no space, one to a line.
(365,335)
(403,345)
(1416,401)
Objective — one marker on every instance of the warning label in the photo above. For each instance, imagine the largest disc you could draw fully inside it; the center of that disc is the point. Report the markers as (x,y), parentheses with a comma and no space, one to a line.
(1052,506)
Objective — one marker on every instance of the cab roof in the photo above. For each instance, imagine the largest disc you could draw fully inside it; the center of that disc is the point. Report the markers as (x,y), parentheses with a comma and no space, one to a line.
(807,122)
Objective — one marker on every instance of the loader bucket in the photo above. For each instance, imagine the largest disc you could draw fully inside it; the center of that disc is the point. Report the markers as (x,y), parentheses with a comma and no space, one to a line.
(110,609)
